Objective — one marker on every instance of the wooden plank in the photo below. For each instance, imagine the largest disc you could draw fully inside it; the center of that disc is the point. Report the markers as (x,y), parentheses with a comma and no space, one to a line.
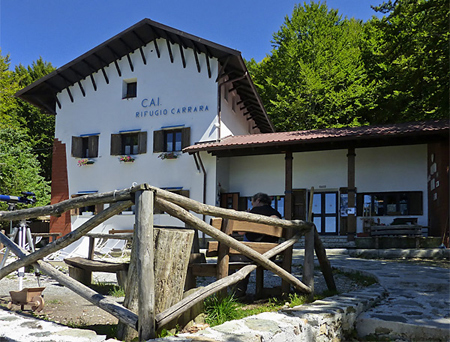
(96,265)
(252,227)
(260,247)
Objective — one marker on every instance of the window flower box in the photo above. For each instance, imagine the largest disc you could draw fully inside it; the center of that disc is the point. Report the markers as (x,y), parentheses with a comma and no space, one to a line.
(169,155)
(82,162)
(126,159)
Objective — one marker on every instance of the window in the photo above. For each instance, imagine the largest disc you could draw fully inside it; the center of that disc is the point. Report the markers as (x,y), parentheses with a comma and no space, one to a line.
(129,89)
(126,143)
(171,139)
(85,146)
(390,203)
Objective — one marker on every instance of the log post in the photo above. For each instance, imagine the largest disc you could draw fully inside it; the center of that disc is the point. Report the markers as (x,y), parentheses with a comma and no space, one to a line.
(144,263)
(308,262)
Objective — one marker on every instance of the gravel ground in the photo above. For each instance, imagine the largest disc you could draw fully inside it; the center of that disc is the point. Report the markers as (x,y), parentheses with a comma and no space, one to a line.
(64,306)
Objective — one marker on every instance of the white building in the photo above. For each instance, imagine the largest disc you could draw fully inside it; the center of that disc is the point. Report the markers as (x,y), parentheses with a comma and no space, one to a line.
(152,91)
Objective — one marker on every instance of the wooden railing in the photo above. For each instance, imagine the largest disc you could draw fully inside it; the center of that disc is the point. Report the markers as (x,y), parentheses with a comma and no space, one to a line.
(145,320)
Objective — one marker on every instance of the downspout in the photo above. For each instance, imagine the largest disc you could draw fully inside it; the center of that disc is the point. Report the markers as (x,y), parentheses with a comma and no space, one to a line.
(201,168)
(219,102)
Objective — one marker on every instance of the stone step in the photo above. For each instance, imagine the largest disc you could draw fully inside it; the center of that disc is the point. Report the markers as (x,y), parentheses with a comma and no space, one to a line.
(329,242)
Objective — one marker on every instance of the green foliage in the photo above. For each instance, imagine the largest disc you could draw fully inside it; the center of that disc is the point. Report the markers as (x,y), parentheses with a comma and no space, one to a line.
(19,168)
(409,60)
(329,71)
(40,126)
(8,87)
(315,76)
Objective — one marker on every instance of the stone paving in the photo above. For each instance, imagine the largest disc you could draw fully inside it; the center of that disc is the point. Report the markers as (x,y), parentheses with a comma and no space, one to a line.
(410,303)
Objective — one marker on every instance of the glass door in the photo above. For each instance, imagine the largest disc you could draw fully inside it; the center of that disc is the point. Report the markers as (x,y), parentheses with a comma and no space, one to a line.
(325,212)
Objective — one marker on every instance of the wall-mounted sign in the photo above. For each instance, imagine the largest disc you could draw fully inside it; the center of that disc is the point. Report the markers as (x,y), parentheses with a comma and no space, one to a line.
(154,108)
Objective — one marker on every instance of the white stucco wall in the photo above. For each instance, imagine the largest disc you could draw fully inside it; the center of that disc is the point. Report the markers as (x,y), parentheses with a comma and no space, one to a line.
(382,169)
(181,96)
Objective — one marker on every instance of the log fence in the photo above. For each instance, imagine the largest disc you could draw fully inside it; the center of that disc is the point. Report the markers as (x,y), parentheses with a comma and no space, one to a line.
(144,320)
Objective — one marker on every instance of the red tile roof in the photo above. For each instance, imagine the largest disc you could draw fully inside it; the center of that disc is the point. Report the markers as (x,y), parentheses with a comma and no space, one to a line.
(321,136)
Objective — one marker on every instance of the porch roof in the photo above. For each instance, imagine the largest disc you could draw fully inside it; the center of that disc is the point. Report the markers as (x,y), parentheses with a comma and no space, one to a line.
(327,139)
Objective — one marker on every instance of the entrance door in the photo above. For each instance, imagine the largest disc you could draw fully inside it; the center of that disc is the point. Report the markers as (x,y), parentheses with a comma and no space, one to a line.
(325,212)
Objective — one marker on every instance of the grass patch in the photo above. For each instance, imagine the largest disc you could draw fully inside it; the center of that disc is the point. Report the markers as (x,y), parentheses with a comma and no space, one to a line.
(108,289)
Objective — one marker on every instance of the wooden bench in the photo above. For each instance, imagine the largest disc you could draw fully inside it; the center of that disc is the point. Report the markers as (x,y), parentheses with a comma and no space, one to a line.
(81,269)
(396,231)
(220,269)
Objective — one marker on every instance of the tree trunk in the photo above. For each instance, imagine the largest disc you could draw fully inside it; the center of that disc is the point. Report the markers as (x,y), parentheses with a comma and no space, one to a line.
(172,251)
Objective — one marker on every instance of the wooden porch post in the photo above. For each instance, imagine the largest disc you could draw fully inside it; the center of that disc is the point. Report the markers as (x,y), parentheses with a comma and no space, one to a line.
(287,255)
(145,263)
(351,220)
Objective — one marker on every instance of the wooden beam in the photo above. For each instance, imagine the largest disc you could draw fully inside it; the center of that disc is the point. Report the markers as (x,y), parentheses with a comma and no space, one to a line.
(184,305)
(66,240)
(117,68)
(130,62)
(158,53)
(197,223)
(59,208)
(222,68)
(208,66)
(145,264)
(70,94)
(93,82)
(105,76)
(287,255)
(124,315)
(183,60)
(197,61)
(82,89)
(144,60)
(170,50)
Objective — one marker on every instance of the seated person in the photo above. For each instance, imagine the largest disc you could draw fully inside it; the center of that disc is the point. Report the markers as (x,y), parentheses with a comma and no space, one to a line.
(261,204)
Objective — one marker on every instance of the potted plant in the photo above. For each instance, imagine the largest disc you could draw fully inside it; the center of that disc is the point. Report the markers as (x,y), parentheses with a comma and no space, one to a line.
(82,162)
(126,159)
(169,155)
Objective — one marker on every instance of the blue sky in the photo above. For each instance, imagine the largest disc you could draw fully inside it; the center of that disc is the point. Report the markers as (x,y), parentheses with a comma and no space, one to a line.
(61,30)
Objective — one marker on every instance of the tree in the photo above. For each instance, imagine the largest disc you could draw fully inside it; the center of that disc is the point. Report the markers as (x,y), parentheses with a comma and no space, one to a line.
(409,61)
(315,76)
(19,168)
(40,126)
(8,87)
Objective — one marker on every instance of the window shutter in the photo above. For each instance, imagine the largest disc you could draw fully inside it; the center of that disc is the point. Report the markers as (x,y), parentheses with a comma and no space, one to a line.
(116,144)
(77,147)
(158,141)
(93,146)
(142,142)
(186,137)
